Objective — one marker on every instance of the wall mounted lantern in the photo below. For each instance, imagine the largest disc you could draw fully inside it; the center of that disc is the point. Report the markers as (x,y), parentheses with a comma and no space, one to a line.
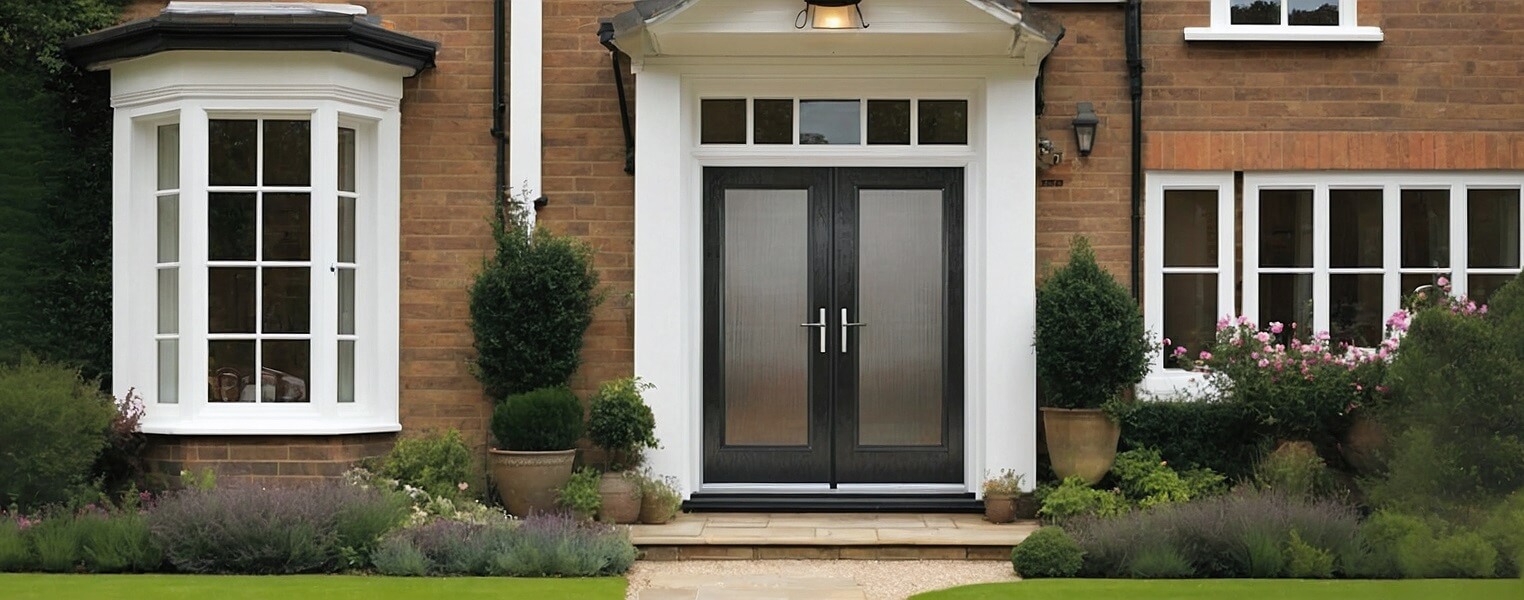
(831,14)
(1085,123)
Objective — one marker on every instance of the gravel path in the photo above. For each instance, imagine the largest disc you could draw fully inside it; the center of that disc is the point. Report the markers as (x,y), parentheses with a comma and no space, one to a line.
(881,580)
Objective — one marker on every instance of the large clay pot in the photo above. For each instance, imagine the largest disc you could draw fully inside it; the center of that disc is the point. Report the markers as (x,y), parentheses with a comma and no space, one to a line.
(528,481)
(999,508)
(1081,442)
(620,499)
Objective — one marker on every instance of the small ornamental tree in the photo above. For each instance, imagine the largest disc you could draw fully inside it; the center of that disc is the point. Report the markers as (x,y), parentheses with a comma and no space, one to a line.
(1091,344)
(530,306)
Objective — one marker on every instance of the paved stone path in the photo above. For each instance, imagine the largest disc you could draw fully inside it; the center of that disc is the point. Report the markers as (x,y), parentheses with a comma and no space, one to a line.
(807,579)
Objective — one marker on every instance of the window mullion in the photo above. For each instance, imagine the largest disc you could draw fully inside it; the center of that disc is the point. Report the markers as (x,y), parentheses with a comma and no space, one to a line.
(1391,248)
(1320,243)
(194,249)
(1251,252)
(1226,218)
(325,257)
(1460,244)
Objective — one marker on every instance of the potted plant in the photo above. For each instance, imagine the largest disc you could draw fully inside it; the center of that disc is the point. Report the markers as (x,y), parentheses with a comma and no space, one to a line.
(622,425)
(537,435)
(1091,348)
(659,499)
(1000,494)
(580,494)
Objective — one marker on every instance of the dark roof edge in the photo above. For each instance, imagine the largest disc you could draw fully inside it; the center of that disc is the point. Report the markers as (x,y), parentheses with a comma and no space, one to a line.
(323,32)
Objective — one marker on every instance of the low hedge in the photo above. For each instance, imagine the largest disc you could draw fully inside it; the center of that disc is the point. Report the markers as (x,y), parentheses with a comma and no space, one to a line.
(1196,434)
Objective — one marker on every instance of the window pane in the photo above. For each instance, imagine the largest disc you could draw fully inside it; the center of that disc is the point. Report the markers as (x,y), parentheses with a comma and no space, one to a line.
(773,121)
(1190,313)
(346,371)
(1286,299)
(288,227)
(230,365)
(232,152)
(347,229)
(1354,309)
(169,156)
(1190,228)
(1255,12)
(830,122)
(1313,12)
(943,122)
(288,153)
(889,122)
(169,301)
(1354,223)
(1285,228)
(230,226)
(346,301)
(346,159)
(169,228)
(1492,226)
(169,371)
(1425,228)
(288,300)
(286,367)
(1413,282)
(1481,287)
(723,122)
(230,300)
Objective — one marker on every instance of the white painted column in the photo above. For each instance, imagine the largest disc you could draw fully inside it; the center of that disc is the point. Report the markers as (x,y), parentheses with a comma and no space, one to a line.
(665,307)
(1005,380)
(525,94)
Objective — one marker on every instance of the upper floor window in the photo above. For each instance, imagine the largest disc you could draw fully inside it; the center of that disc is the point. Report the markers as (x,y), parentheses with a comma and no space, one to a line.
(1284,21)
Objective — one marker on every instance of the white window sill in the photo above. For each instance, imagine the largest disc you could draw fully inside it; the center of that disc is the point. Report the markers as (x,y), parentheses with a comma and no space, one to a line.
(270,427)
(1173,384)
(1276,33)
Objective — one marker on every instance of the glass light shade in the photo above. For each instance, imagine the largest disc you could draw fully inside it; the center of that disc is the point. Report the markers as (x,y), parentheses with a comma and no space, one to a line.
(835,17)
(1085,123)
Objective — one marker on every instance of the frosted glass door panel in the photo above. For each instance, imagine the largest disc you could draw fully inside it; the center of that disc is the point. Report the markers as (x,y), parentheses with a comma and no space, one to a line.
(901,303)
(767,274)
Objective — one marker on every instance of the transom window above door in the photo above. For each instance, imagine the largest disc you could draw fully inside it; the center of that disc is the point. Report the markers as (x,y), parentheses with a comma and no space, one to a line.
(828,121)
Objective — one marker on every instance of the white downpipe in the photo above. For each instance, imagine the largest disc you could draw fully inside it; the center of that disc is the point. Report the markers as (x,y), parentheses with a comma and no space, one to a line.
(525,20)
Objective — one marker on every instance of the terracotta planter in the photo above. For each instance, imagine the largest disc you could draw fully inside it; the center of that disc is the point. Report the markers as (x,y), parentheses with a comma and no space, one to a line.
(1026,506)
(528,481)
(999,508)
(654,511)
(1362,445)
(1081,442)
(621,499)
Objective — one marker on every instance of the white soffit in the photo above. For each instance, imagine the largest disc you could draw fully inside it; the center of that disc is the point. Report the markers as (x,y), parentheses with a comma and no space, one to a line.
(262,8)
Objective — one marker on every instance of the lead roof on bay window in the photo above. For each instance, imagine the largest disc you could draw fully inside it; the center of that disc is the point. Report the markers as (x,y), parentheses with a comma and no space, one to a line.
(645,11)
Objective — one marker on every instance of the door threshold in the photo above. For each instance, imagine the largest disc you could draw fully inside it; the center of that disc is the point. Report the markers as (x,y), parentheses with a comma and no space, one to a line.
(838,501)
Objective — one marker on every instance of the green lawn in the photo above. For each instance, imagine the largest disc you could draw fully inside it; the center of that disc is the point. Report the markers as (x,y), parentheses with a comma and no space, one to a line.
(302,587)
(1237,589)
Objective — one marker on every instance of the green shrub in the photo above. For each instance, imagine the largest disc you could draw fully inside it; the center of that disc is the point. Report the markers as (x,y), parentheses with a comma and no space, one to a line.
(435,462)
(1464,555)
(1297,470)
(56,543)
(1074,497)
(1048,552)
(117,543)
(400,557)
(1147,479)
(1159,561)
(1504,528)
(580,494)
(544,420)
(1196,434)
(1091,344)
(1305,561)
(360,525)
(1398,544)
(620,423)
(54,427)
(14,554)
(530,306)
(1261,554)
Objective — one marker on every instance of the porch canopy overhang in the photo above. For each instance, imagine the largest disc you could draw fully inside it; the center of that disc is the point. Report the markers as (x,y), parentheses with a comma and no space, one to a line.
(1007,29)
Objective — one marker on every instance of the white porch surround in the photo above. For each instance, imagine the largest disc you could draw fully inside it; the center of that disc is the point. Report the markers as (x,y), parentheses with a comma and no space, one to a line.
(525,99)
(731,48)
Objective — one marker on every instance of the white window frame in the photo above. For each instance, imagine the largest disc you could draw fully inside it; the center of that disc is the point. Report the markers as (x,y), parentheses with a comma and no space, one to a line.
(190,88)
(1222,28)
(1391,184)
(1160,381)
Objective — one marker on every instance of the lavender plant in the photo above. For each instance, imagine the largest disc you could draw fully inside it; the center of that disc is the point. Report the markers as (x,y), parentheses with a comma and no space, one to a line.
(557,545)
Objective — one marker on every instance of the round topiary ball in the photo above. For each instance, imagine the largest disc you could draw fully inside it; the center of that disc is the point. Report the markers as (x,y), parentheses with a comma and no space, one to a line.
(544,420)
(1048,552)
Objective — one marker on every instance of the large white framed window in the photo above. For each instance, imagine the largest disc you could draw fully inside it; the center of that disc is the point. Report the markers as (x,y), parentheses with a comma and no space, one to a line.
(1189,254)
(1284,21)
(1341,250)
(267,211)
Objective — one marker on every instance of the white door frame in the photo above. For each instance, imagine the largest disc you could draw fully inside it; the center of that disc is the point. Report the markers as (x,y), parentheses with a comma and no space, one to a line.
(1000,251)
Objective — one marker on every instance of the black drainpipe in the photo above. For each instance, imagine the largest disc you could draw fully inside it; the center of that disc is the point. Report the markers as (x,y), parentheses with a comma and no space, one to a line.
(1135,85)
(499,105)
(1042,74)
(606,37)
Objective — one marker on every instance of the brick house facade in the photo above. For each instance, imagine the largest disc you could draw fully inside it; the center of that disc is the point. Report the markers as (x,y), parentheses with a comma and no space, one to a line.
(1434,97)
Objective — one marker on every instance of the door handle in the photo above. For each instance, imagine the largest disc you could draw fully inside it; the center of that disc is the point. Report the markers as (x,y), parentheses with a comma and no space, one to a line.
(845,324)
(822,325)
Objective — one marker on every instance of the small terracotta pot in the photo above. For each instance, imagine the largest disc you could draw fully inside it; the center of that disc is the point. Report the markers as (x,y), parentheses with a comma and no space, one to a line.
(528,481)
(621,499)
(999,508)
(1081,442)
(1026,506)
(654,511)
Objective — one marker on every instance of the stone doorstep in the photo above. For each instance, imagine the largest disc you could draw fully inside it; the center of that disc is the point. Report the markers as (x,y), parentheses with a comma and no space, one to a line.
(694,552)
(831,531)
